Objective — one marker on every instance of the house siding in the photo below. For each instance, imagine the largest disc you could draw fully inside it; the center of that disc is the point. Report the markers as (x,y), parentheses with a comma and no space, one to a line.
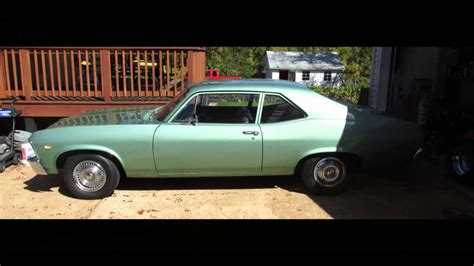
(272,74)
(299,76)
(297,68)
(315,78)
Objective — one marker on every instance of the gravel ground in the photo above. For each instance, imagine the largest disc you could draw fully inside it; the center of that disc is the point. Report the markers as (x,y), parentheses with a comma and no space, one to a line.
(401,196)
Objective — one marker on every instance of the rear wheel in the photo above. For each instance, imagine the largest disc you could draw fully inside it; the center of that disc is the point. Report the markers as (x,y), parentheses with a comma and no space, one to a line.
(90,176)
(325,175)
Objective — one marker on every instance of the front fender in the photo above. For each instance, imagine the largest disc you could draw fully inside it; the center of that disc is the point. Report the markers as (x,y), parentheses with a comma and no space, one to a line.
(88,148)
(49,162)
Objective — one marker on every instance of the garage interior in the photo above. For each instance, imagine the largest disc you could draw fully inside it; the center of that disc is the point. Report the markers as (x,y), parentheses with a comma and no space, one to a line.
(432,86)
(404,76)
(420,83)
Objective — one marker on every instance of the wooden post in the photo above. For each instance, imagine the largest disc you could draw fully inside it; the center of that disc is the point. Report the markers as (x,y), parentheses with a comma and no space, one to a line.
(200,65)
(196,66)
(25,70)
(3,81)
(106,73)
(190,65)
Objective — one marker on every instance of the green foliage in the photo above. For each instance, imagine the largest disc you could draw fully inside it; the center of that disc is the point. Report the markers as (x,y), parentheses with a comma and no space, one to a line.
(346,93)
(233,61)
(246,61)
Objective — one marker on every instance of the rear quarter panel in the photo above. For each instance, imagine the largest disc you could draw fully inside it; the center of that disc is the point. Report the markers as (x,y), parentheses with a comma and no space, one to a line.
(381,141)
(286,143)
(377,140)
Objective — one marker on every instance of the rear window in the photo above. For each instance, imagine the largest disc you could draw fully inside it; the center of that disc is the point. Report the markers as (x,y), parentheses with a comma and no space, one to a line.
(277,109)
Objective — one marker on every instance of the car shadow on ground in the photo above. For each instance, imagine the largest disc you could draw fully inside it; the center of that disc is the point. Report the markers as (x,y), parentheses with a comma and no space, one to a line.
(198,183)
(416,191)
(45,183)
(41,183)
(420,193)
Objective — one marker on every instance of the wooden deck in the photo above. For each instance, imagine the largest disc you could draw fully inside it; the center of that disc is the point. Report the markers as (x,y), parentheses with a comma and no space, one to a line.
(64,81)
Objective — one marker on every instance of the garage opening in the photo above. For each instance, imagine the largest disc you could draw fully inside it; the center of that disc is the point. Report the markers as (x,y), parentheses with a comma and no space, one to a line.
(434,87)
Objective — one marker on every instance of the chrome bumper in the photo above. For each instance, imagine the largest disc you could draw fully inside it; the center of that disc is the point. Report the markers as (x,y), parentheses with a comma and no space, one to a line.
(35,164)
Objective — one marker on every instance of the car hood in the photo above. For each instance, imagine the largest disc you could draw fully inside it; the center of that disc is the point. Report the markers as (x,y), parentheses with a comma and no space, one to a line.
(110,116)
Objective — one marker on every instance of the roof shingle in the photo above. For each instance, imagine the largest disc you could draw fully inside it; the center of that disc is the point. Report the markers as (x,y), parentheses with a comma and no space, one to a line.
(304,61)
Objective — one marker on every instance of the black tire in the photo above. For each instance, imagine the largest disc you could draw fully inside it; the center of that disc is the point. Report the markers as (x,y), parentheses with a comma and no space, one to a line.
(77,189)
(460,162)
(318,185)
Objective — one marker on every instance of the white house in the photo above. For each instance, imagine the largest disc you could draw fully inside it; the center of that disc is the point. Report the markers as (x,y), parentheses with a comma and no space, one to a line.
(320,69)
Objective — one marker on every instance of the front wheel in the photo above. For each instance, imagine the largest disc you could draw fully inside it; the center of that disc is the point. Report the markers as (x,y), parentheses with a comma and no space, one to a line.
(90,176)
(324,175)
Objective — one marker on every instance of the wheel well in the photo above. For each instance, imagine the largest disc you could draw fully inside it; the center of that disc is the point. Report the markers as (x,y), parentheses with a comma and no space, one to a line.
(352,160)
(61,161)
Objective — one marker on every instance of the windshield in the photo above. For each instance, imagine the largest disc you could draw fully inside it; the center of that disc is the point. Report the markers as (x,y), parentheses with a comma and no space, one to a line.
(166,109)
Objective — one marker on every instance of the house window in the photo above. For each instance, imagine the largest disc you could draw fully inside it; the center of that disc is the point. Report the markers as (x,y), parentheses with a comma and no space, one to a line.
(327,76)
(305,75)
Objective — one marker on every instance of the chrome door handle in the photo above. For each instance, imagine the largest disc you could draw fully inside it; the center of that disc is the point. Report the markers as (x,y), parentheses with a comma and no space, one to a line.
(255,133)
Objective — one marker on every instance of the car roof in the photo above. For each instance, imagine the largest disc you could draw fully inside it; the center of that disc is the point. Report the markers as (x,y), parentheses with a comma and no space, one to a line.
(258,85)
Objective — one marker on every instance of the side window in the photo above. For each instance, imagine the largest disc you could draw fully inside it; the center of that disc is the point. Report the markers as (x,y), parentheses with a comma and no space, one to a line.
(234,108)
(186,113)
(276,109)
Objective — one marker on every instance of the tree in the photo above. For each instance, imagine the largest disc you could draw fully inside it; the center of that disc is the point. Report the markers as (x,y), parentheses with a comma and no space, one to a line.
(245,61)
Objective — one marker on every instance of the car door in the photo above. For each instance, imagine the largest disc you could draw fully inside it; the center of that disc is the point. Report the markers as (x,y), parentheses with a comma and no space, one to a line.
(223,139)
(285,134)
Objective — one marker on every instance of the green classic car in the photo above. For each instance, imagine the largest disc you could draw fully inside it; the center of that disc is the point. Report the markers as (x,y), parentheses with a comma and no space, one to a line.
(224,128)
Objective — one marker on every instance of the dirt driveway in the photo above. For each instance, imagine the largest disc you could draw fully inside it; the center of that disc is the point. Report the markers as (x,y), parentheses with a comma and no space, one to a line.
(411,195)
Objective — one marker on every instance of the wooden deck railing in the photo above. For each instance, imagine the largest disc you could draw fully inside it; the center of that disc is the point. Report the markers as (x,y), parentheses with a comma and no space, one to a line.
(98,73)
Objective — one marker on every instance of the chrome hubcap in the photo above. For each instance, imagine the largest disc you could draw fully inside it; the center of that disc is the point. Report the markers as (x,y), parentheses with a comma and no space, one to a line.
(89,176)
(329,171)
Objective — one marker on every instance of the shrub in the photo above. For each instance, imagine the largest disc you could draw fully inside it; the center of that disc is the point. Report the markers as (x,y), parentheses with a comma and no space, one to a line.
(346,93)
